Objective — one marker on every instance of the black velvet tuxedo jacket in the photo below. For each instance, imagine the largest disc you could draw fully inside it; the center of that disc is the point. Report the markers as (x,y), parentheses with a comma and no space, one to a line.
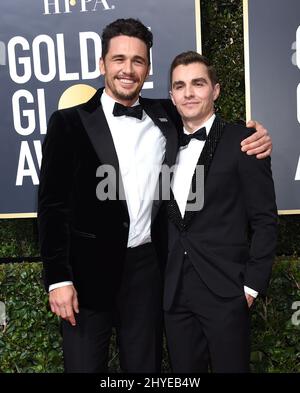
(82,238)
(238,197)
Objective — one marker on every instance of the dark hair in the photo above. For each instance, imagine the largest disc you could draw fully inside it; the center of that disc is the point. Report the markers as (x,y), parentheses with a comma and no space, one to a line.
(130,27)
(190,57)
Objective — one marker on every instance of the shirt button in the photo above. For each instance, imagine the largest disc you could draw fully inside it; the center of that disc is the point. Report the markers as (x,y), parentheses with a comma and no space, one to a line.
(185,253)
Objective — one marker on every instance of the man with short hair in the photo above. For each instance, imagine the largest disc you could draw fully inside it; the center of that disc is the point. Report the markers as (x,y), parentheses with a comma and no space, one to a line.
(212,275)
(100,264)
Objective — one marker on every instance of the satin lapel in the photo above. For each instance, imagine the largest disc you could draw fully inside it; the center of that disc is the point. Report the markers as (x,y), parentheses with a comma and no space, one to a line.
(206,158)
(174,214)
(160,118)
(96,126)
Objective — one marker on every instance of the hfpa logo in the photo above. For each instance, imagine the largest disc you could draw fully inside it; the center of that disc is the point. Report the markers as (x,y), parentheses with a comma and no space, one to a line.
(67,6)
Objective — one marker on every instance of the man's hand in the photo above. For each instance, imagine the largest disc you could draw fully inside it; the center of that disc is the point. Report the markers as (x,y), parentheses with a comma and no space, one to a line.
(259,143)
(250,299)
(63,302)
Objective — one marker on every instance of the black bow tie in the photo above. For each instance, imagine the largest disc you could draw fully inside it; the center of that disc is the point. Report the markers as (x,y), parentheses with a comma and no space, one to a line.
(199,134)
(133,111)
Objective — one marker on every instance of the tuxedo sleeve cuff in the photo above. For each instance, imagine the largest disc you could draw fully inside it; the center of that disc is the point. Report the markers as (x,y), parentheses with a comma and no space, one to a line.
(250,291)
(59,285)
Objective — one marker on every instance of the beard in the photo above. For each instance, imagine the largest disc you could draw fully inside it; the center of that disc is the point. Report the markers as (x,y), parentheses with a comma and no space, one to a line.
(126,96)
(123,95)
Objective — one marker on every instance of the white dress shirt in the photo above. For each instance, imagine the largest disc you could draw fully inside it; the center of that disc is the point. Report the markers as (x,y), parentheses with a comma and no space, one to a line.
(186,162)
(140,147)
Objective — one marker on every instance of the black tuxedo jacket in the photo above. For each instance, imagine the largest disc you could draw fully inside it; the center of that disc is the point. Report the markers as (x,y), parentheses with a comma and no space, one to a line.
(238,196)
(82,238)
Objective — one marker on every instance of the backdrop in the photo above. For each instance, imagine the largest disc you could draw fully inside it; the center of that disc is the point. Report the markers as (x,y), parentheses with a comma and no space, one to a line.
(272,59)
(49,52)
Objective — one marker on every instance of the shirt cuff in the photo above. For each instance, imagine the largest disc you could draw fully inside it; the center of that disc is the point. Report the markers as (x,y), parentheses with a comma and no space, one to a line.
(250,291)
(59,285)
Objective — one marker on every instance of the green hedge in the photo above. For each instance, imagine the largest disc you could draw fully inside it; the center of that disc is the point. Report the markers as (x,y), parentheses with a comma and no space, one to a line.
(222,43)
(276,340)
(31,342)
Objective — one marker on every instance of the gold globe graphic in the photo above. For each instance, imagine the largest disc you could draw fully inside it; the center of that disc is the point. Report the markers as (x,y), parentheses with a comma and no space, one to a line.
(75,95)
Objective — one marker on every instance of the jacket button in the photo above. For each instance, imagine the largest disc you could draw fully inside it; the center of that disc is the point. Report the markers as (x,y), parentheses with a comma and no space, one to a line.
(125,224)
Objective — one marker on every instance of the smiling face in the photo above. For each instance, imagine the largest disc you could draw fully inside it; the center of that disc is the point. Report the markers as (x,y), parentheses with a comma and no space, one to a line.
(193,94)
(125,68)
